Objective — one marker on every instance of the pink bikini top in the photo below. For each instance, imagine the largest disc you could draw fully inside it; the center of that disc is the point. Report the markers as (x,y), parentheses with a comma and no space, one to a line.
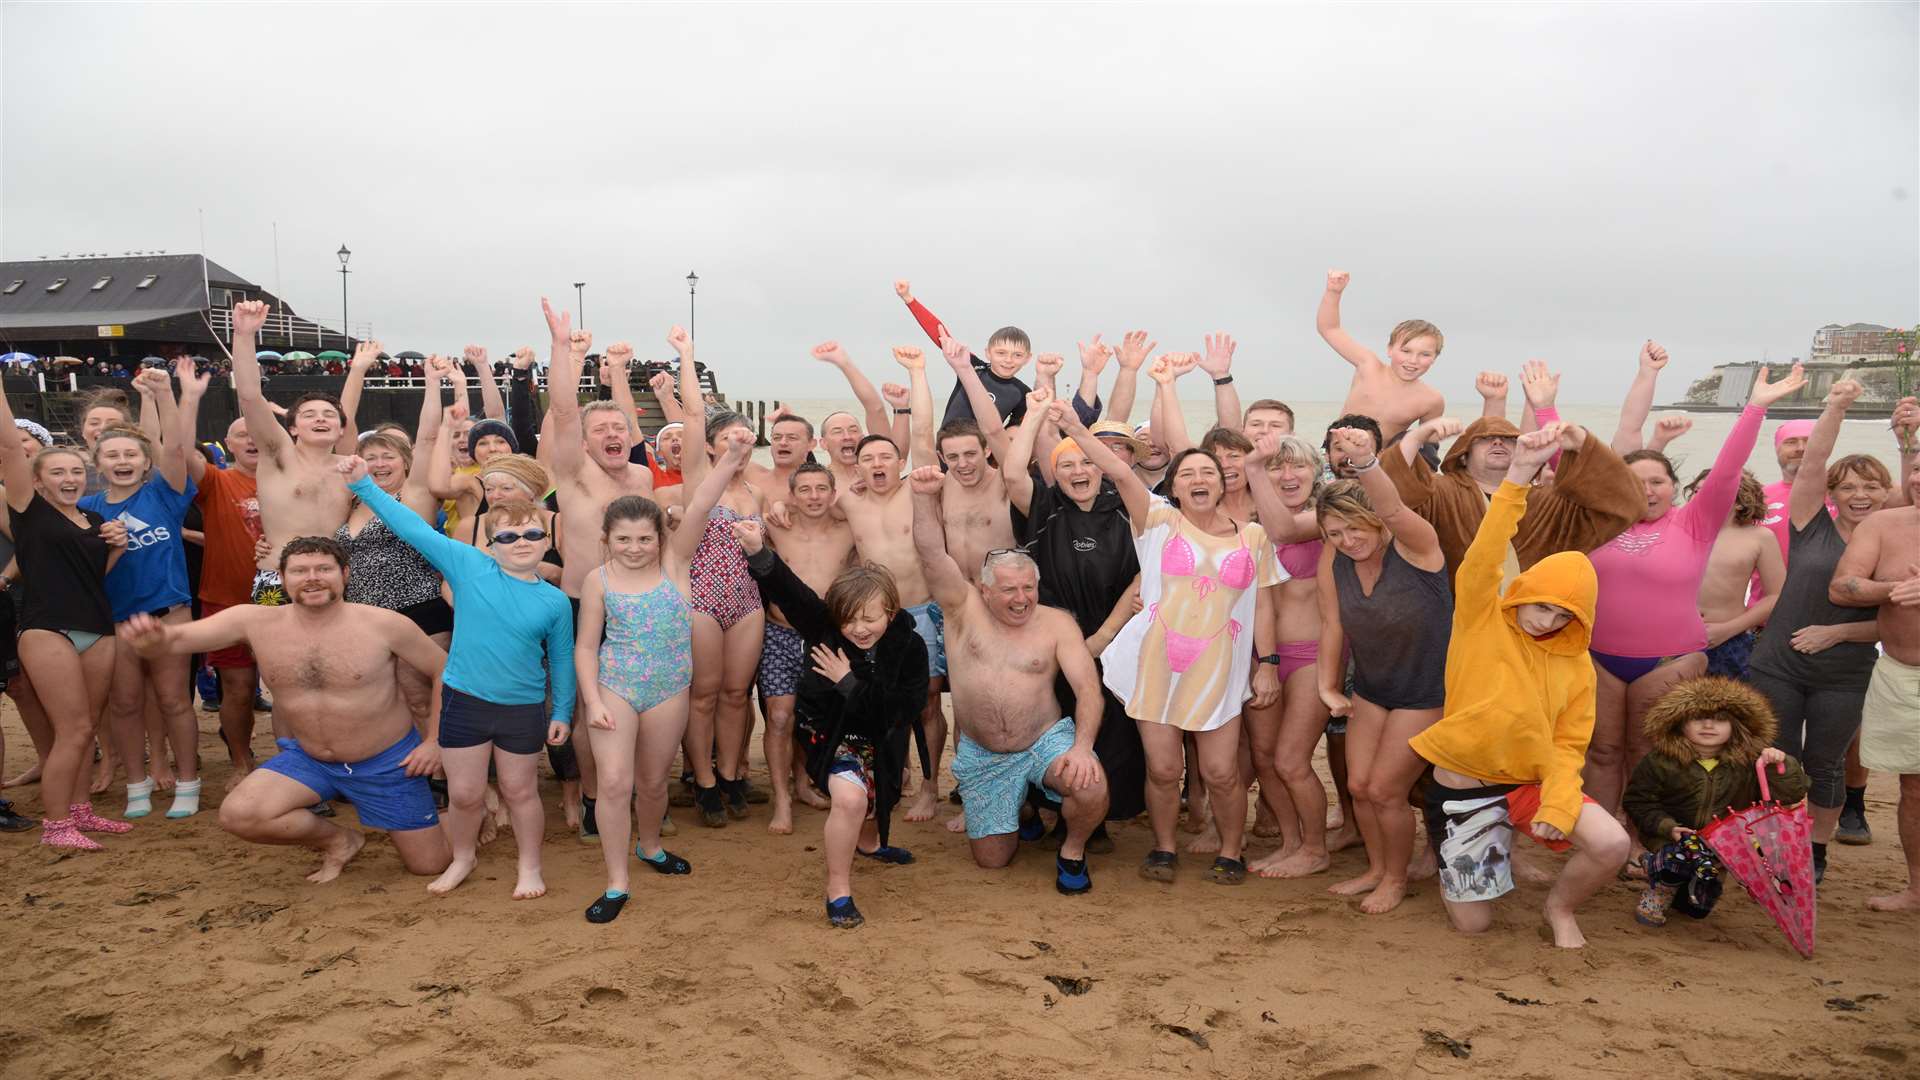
(1236,570)
(1300,560)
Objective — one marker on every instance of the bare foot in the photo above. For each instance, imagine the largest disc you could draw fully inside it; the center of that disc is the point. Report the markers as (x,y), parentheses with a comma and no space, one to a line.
(1301,862)
(1198,818)
(1385,897)
(957,823)
(1335,818)
(341,850)
(1423,865)
(1566,932)
(1366,882)
(162,776)
(926,804)
(102,776)
(803,790)
(489,829)
(782,823)
(1906,900)
(239,774)
(1265,825)
(457,872)
(31,776)
(528,887)
(1342,838)
(1206,841)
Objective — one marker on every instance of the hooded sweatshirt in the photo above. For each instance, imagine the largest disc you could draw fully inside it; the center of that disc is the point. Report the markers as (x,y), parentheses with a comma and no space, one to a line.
(1593,498)
(1672,787)
(1519,708)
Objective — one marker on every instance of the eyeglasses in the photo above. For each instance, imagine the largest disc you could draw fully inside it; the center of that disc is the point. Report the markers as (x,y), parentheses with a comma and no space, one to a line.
(996,552)
(535,535)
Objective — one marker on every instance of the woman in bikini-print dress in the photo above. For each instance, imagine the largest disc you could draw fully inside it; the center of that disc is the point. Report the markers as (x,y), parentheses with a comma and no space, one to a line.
(1184,662)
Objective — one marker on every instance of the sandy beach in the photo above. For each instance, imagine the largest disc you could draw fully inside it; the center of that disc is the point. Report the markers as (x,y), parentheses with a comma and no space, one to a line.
(182,952)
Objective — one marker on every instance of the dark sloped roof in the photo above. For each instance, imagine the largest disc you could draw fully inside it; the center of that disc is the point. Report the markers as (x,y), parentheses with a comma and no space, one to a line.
(180,285)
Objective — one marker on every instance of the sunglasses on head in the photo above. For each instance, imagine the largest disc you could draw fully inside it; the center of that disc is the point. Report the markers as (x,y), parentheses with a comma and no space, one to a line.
(535,534)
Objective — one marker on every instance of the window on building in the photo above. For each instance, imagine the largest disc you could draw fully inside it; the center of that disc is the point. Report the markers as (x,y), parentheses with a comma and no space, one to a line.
(14,286)
(147,281)
(101,284)
(58,284)
(222,298)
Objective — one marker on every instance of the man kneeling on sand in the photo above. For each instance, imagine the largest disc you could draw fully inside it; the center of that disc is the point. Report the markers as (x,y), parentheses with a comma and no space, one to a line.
(329,666)
(1003,651)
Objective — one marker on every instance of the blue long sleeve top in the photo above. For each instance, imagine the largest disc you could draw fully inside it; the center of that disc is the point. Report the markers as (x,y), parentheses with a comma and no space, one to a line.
(503,622)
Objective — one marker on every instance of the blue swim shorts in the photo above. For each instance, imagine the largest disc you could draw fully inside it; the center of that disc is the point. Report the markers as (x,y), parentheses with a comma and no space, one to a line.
(992,786)
(930,623)
(783,657)
(381,792)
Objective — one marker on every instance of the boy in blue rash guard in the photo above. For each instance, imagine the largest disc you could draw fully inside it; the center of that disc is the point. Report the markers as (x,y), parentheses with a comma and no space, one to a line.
(496,681)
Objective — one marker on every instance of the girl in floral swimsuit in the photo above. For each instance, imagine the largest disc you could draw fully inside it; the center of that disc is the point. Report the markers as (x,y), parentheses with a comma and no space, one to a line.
(631,655)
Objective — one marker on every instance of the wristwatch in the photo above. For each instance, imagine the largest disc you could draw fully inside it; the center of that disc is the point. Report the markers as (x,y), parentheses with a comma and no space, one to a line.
(1270,658)
(1223,380)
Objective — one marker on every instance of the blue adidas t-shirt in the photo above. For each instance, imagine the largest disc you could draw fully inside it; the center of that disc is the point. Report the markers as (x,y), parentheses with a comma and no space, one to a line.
(153,572)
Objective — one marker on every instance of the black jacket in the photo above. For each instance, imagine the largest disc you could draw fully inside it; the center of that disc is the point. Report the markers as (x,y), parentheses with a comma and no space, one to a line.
(878,704)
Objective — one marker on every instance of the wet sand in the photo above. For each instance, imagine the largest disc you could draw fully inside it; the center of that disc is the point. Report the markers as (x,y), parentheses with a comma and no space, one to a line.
(182,952)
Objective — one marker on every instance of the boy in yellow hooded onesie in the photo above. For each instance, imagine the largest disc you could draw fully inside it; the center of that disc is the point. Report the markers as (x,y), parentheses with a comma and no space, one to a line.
(1508,750)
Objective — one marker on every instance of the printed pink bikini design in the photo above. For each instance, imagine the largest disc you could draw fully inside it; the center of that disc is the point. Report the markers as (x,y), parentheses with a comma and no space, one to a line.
(1177,561)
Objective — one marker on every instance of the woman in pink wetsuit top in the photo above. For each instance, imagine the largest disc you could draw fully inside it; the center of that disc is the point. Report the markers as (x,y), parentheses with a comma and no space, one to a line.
(1647,631)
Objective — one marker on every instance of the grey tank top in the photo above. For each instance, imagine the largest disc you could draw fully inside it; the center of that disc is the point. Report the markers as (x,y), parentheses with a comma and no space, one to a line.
(1812,553)
(1398,635)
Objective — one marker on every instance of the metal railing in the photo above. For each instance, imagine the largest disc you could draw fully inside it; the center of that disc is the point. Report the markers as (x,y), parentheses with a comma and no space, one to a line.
(286,328)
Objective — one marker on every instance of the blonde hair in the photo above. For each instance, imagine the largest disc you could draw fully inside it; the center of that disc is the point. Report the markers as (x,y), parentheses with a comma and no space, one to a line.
(123,431)
(1413,328)
(591,407)
(387,440)
(1347,500)
(49,451)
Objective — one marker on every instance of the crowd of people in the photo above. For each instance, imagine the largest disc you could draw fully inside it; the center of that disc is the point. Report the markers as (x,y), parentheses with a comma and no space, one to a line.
(1500,628)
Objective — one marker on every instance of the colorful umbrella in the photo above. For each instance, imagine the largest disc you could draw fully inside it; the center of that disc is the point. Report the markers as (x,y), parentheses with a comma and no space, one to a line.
(332,354)
(1767,849)
(267,354)
(297,355)
(18,358)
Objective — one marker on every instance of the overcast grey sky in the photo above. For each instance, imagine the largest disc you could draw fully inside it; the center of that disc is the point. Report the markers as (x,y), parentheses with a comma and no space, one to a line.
(1555,180)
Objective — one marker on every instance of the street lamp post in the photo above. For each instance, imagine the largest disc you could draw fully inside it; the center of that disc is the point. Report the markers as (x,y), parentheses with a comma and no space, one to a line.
(580,304)
(344,331)
(693,279)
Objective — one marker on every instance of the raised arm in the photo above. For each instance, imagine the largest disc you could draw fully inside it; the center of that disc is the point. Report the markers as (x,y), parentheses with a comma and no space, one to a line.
(491,404)
(1217,362)
(1134,349)
(1627,437)
(879,420)
(1707,511)
(1133,493)
(426,447)
(193,387)
(1327,321)
(1418,542)
(693,460)
(156,395)
(1476,585)
(944,579)
(262,425)
(566,450)
(1906,437)
(705,495)
(1809,494)
(1492,387)
(616,371)
(920,411)
(365,355)
(986,412)
(442,481)
(1668,428)
(1015,470)
(1093,360)
(16,468)
(671,411)
(1169,424)
(523,400)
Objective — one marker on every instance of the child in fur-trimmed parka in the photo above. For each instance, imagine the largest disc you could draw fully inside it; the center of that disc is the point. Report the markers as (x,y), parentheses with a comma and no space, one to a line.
(1706,736)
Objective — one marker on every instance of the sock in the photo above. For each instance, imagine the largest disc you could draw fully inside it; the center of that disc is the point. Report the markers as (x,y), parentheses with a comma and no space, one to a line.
(140,799)
(1856,800)
(658,857)
(186,799)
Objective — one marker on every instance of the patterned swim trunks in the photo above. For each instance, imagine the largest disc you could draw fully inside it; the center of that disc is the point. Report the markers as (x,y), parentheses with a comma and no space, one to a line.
(783,658)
